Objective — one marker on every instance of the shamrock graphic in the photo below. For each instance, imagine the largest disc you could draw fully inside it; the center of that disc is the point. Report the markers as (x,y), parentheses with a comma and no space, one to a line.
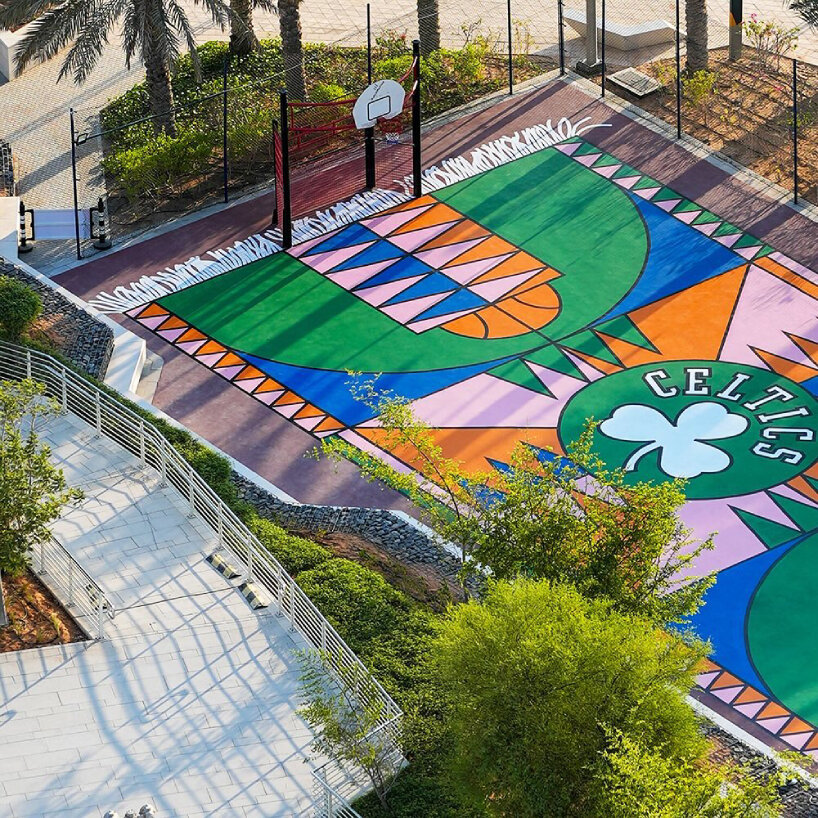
(683,454)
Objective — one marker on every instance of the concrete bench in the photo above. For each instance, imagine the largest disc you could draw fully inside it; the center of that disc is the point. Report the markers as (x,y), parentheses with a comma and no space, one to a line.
(626,36)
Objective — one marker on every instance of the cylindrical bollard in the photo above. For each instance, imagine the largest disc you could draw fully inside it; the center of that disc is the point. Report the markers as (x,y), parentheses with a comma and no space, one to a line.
(102,242)
(24,246)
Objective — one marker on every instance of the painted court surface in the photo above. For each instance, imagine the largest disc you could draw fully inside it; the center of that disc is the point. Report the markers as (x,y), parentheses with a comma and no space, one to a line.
(515,305)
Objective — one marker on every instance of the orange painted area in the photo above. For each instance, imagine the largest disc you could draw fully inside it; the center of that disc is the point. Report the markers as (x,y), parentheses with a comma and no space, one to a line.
(784,366)
(785,274)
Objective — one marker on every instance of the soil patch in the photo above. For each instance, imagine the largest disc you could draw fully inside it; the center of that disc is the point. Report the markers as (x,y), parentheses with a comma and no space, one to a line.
(36,618)
(422,583)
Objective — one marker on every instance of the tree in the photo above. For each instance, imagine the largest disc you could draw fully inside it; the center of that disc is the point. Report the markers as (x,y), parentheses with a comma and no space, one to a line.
(808,11)
(642,783)
(289,20)
(566,519)
(243,40)
(20,307)
(696,22)
(428,26)
(540,677)
(347,718)
(33,490)
(151,29)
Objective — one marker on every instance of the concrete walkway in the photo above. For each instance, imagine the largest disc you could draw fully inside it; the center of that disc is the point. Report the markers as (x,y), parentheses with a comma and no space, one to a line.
(190,702)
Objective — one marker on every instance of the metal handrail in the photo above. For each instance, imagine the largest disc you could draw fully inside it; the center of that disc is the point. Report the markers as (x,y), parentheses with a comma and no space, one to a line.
(72,585)
(116,421)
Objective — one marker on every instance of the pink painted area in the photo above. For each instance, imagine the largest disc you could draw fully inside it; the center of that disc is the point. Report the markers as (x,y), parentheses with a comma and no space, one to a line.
(211,359)
(430,323)
(171,334)
(773,725)
(647,192)
(321,262)
(269,397)
(309,423)
(607,171)
(289,409)
(668,205)
(384,225)
(230,372)
(191,346)
(484,400)
(416,238)
(588,159)
(560,385)
(768,308)
(786,491)
(798,740)
(405,312)
(748,252)
(708,229)
(383,292)
(749,710)
(590,372)
(492,290)
(440,255)
(688,216)
(305,246)
(793,265)
(249,384)
(569,148)
(627,181)
(153,322)
(349,279)
(464,273)
(728,241)
(704,679)
(727,694)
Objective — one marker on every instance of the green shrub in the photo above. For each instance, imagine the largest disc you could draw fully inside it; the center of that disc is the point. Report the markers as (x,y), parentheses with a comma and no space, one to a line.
(327,92)
(296,554)
(20,307)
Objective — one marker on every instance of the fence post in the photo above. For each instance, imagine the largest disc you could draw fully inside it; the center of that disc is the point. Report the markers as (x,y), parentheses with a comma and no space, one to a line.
(369,133)
(74,179)
(510,57)
(678,70)
(23,246)
(142,453)
(97,413)
(224,129)
(417,185)
(28,363)
(795,129)
(71,582)
(561,32)
(603,48)
(736,18)
(63,389)
(100,620)
(249,559)
(286,216)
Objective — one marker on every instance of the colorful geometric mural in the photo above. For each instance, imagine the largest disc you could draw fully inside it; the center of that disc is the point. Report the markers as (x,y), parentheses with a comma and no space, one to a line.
(517,304)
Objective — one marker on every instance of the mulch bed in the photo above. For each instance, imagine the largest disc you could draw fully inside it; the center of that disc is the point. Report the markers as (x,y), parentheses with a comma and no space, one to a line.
(748,117)
(36,618)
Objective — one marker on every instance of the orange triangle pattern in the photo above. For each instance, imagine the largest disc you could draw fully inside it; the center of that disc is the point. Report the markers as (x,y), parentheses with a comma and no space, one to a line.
(785,367)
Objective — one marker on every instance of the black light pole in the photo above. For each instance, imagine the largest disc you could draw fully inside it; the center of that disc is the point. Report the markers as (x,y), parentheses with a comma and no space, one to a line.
(510,63)
(561,37)
(678,71)
(287,214)
(417,186)
(74,179)
(224,129)
(603,48)
(795,128)
(369,133)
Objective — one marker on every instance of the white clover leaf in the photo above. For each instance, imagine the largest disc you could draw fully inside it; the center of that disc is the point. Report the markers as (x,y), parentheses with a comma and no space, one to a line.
(682,452)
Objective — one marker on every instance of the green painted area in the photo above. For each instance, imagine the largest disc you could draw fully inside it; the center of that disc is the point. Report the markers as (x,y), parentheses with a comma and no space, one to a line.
(804,516)
(517,372)
(278,308)
(568,216)
(552,357)
(771,533)
(781,629)
(624,329)
(591,344)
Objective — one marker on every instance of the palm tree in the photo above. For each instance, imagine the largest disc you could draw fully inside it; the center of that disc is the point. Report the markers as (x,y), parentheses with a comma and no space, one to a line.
(151,32)
(808,10)
(243,38)
(428,26)
(696,22)
(289,20)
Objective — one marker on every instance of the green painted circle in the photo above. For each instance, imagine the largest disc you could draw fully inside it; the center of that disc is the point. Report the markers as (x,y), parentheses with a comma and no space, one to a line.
(722,452)
(781,629)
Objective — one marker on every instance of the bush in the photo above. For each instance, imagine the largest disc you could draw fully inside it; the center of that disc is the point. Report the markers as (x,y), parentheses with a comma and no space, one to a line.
(327,92)
(20,307)
(296,554)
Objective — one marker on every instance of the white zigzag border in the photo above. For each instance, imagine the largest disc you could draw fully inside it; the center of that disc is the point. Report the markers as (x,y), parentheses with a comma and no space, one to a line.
(260,245)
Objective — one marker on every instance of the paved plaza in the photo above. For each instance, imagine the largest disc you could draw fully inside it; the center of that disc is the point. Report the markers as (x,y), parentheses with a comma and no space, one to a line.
(189,704)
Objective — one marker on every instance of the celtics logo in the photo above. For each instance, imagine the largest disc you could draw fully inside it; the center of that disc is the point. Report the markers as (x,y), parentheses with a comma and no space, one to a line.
(728,429)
